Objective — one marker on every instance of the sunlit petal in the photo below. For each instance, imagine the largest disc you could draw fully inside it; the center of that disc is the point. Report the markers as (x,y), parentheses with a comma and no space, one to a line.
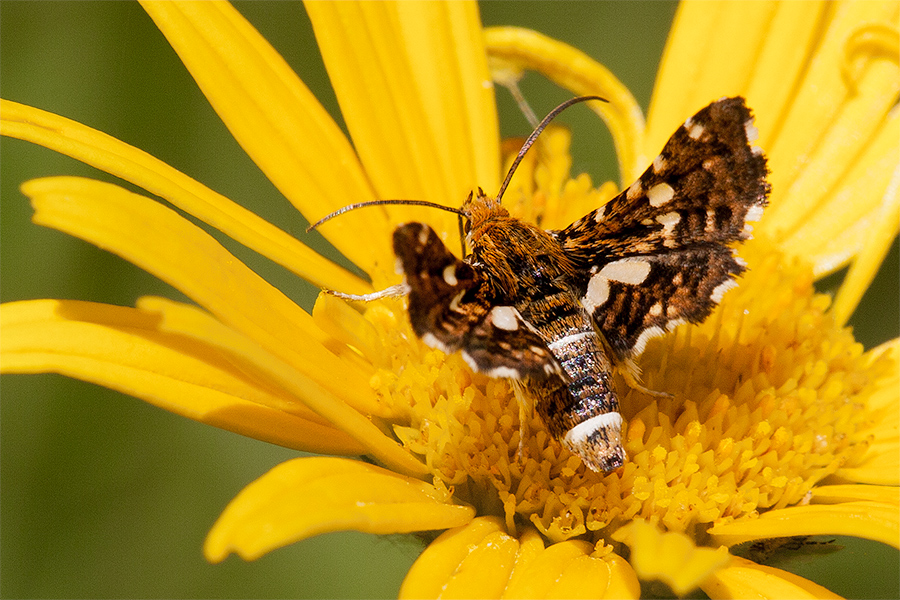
(519,49)
(415,92)
(670,557)
(136,166)
(879,521)
(745,579)
(158,240)
(562,570)
(827,494)
(186,320)
(438,564)
(276,119)
(126,350)
(309,496)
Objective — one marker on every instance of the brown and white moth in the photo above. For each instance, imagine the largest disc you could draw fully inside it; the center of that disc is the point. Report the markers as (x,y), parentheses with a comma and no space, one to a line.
(556,310)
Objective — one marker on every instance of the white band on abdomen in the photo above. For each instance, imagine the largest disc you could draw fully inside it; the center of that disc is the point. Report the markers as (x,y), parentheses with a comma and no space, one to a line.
(580,432)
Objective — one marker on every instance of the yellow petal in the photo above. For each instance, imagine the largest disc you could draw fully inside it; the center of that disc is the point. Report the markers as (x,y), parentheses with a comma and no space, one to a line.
(746,579)
(877,521)
(345,324)
(160,241)
(880,464)
(623,581)
(848,493)
(670,557)
(136,166)
(414,89)
(186,320)
(872,251)
(484,572)
(124,349)
(827,127)
(583,577)
(710,53)
(308,496)
(277,121)
(441,560)
(541,574)
(572,69)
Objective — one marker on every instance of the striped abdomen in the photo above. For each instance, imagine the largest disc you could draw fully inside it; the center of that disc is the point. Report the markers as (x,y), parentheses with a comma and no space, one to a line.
(582,413)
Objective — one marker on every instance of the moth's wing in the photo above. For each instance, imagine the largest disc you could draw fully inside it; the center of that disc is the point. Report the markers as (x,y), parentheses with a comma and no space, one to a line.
(708,182)
(635,299)
(451,308)
(658,253)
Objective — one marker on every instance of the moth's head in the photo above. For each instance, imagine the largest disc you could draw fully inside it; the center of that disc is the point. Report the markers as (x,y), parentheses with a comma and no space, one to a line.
(478,209)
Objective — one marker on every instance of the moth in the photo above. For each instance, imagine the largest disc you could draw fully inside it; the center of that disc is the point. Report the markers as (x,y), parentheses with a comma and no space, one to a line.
(559,310)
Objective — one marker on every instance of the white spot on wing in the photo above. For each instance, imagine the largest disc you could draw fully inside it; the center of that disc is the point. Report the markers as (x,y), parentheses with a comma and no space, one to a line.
(634,191)
(754,213)
(655,310)
(659,163)
(450,274)
(660,194)
(432,342)
(597,293)
(423,235)
(752,131)
(645,337)
(598,214)
(454,304)
(720,290)
(627,270)
(501,371)
(694,130)
(505,317)
(669,221)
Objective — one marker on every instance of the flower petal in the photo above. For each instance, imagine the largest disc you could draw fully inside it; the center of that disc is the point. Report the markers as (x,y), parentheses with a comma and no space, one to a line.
(848,493)
(745,579)
(415,91)
(276,119)
(159,240)
(308,496)
(670,557)
(186,320)
(879,521)
(136,166)
(441,560)
(517,49)
(826,126)
(124,349)
(562,570)
(623,581)
(710,53)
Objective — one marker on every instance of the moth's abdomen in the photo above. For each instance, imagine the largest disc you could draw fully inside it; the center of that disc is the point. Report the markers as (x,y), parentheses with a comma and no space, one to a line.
(583,412)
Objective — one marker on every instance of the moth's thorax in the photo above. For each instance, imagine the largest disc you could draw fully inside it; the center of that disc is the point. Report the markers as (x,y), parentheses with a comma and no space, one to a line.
(518,257)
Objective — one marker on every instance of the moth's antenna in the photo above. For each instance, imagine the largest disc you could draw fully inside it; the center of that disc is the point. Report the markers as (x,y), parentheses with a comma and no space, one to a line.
(537,131)
(350,207)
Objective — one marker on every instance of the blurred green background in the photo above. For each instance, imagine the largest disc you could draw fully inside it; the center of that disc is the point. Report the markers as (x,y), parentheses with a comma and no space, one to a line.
(105,496)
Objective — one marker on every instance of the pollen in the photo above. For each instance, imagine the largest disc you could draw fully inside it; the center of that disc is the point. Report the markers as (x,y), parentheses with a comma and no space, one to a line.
(762,401)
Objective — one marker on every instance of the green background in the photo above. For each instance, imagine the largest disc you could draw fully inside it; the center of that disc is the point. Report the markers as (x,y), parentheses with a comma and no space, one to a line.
(105,496)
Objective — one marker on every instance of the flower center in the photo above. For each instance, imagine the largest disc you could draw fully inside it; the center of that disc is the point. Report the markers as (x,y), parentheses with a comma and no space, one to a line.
(764,404)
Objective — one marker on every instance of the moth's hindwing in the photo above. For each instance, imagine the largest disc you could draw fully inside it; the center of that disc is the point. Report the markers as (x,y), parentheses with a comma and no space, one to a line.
(657,254)
(450,308)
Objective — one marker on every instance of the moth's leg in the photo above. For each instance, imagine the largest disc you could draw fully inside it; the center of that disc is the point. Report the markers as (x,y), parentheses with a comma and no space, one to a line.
(401,289)
(631,373)
(526,410)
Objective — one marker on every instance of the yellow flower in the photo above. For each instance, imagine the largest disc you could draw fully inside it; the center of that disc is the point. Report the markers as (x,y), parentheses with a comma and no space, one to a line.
(779,423)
